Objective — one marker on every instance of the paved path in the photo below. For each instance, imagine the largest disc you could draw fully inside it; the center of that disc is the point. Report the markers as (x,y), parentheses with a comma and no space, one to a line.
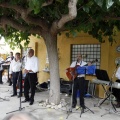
(51,114)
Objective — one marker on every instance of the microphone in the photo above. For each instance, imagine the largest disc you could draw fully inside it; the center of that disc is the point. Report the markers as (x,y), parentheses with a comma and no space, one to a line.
(77,60)
(23,57)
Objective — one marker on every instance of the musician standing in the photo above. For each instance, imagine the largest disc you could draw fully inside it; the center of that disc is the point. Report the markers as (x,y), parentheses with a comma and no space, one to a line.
(10,58)
(8,61)
(15,68)
(79,82)
(31,69)
(115,91)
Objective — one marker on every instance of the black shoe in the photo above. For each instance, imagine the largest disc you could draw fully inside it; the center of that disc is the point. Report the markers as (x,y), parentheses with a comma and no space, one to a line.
(83,106)
(26,100)
(13,95)
(73,106)
(117,105)
(10,84)
(31,102)
(19,96)
(1,82)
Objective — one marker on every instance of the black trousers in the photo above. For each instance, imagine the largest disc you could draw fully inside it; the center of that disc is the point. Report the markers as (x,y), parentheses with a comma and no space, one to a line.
(78,85)
(30,84)
(15,76)
(116,92)
(1,76)
(20,82)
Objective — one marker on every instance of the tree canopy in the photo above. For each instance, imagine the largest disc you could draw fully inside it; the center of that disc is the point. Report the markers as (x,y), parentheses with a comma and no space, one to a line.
(21,18)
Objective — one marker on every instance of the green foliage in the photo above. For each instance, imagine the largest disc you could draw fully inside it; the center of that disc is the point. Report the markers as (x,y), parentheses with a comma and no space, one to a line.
(14,39)
(99,18)
(35,5)
(96,18)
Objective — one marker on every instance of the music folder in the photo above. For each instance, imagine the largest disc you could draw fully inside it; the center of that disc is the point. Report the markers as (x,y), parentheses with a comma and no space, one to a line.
(81,69)
(102,75)
(90,70)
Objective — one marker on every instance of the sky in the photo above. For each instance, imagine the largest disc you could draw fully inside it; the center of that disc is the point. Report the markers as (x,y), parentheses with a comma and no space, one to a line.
(4,47)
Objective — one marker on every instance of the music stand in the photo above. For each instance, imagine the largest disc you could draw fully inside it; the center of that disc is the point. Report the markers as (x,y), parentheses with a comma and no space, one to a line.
(103,76)
(80,70)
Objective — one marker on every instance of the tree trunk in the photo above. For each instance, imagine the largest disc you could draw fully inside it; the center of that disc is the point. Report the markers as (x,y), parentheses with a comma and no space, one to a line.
(51,44)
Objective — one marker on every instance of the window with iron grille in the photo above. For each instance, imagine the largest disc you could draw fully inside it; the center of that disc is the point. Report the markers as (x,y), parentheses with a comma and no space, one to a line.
(89,52)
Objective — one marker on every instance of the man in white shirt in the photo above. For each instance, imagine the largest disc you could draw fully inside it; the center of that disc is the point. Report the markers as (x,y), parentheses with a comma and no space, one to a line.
(14,72)
(31,69)
(115,91)
(10,58)
(8,61)
(79,81)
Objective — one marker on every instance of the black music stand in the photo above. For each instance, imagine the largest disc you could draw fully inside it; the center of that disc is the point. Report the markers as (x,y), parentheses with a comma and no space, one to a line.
(83,71)
(103,76)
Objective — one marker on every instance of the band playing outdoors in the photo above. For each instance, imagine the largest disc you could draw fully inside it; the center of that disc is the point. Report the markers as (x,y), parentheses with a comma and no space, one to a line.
(76,73)
(15,71)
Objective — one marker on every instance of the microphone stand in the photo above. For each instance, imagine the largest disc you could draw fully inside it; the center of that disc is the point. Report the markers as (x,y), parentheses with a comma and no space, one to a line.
(20,87)
(70,109)
(111,105)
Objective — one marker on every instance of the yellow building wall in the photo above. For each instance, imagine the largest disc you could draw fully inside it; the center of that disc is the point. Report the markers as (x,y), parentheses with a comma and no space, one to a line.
(108,55)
